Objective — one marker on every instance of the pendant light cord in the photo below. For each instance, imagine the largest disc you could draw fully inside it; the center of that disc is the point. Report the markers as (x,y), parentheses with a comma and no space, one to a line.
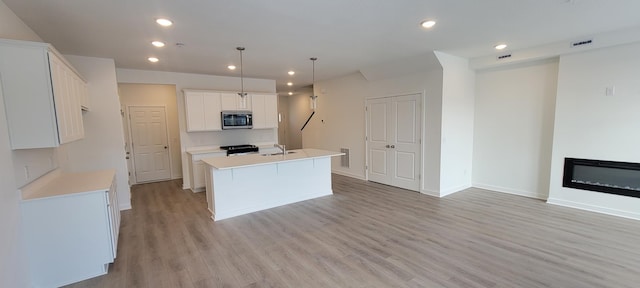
(242,94)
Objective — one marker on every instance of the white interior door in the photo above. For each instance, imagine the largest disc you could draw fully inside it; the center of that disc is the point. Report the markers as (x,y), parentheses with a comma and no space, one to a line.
(379,168)
(149,142)
(393,141)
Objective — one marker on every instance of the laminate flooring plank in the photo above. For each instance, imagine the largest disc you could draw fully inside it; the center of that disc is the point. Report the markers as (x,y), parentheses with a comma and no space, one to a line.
(371,235)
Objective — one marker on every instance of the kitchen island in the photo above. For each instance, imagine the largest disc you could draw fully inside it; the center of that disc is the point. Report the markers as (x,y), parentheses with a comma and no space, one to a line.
(238,185)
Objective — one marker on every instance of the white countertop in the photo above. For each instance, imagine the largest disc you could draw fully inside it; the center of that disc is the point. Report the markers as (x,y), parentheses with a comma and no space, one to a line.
(257,159)
(216,149)
(58,184)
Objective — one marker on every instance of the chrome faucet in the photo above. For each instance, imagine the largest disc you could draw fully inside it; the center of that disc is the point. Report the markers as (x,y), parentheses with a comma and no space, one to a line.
(281,147)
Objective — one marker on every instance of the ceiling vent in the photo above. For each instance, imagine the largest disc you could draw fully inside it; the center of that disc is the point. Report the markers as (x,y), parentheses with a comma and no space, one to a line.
(582,43)
(505,56)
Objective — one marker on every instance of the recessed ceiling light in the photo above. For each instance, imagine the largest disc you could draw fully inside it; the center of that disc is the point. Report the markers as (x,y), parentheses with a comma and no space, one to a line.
(164,22)
(427,23)
(290,93)
(232,67)
(500,46)
(153,59)
(291,72)
(289,83)
(157,44)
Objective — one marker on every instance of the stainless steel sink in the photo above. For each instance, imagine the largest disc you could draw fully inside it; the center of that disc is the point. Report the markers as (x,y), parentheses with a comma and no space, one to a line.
(279,153)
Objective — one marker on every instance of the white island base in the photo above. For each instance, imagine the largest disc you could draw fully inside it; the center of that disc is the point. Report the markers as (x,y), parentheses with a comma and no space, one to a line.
(239,185)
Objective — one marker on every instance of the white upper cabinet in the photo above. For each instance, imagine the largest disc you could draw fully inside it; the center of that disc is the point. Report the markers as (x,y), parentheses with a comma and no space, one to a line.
(202,110)
(265,110)
(233,101)
(42,95)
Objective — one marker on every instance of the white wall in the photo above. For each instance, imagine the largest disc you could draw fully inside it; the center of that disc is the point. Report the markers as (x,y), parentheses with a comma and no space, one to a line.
(157,95)
(513,134)
(103,143)
(13,261)
(339,121)
(458,85)
(299,111)
(592,125)
(341,106)
(210,82)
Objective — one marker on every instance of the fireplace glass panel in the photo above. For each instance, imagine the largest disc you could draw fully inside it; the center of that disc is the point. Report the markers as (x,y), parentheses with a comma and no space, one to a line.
(621,178)
(607,177)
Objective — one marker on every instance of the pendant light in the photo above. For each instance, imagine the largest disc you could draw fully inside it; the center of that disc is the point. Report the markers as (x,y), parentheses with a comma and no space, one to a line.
(313,83)
(242,94)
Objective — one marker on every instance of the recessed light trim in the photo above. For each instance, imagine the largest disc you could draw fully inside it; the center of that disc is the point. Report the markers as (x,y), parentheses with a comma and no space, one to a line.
(158,44)
(164,22)
(153,59)
(290,93)
(500,46)
(232,67)
(291,72)
(428,23)
(289,84)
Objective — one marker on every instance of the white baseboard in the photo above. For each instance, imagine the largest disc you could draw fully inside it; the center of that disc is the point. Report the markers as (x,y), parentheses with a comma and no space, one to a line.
(348,174)
(593,208)
(452,190)
(430,193)
(506,190)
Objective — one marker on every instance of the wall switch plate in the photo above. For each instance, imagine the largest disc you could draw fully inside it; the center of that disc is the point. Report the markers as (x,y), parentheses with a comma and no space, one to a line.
(610,90)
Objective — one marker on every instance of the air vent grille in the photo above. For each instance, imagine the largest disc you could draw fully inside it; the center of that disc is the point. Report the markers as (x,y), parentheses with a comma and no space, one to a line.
(582,43)
(502,57)
(344,159)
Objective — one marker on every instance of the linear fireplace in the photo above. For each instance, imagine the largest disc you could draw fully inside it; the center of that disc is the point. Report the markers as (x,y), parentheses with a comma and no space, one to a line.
(621,178)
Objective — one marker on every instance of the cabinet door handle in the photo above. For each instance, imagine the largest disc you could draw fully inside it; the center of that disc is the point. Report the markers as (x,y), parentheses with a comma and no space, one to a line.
(165,147)
(393,146)
(387,146)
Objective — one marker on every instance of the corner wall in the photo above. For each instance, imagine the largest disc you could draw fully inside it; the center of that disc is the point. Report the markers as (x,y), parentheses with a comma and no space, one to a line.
(590,124)
(458,84)
(13,259)
(513,134)
(103,143)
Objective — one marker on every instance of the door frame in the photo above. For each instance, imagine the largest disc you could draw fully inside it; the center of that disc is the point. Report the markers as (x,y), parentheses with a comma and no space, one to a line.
(129,137)
(422,132)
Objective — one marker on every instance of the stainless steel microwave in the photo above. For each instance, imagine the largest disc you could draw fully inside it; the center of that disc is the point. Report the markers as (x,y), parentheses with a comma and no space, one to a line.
(237,120)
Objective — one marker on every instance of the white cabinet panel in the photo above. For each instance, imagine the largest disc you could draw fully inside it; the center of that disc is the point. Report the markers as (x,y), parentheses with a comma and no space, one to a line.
(42,95)
(197,169)
(265,110)
(233,101)
(202,109)
(70,227)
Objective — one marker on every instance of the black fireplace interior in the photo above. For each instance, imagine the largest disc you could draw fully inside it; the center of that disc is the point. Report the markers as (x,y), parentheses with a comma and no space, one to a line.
(620,178)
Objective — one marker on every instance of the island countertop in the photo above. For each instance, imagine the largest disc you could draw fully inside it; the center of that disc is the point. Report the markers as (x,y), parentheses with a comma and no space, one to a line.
(260,159)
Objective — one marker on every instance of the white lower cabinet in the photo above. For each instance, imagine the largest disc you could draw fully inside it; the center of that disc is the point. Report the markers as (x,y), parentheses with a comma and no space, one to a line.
(70,227)
(197,168)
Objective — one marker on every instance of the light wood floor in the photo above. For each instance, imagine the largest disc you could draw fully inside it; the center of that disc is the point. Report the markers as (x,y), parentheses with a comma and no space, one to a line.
(371,235)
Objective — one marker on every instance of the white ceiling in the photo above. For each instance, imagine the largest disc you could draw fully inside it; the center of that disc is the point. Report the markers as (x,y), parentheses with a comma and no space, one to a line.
(280,35)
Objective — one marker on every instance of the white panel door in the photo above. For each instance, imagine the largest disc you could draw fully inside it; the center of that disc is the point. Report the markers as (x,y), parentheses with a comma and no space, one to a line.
(405,144)
(379,169)
(148,126)
(393,141)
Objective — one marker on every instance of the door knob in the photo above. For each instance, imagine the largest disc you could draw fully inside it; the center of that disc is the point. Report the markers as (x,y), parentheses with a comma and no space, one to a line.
(165,147)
